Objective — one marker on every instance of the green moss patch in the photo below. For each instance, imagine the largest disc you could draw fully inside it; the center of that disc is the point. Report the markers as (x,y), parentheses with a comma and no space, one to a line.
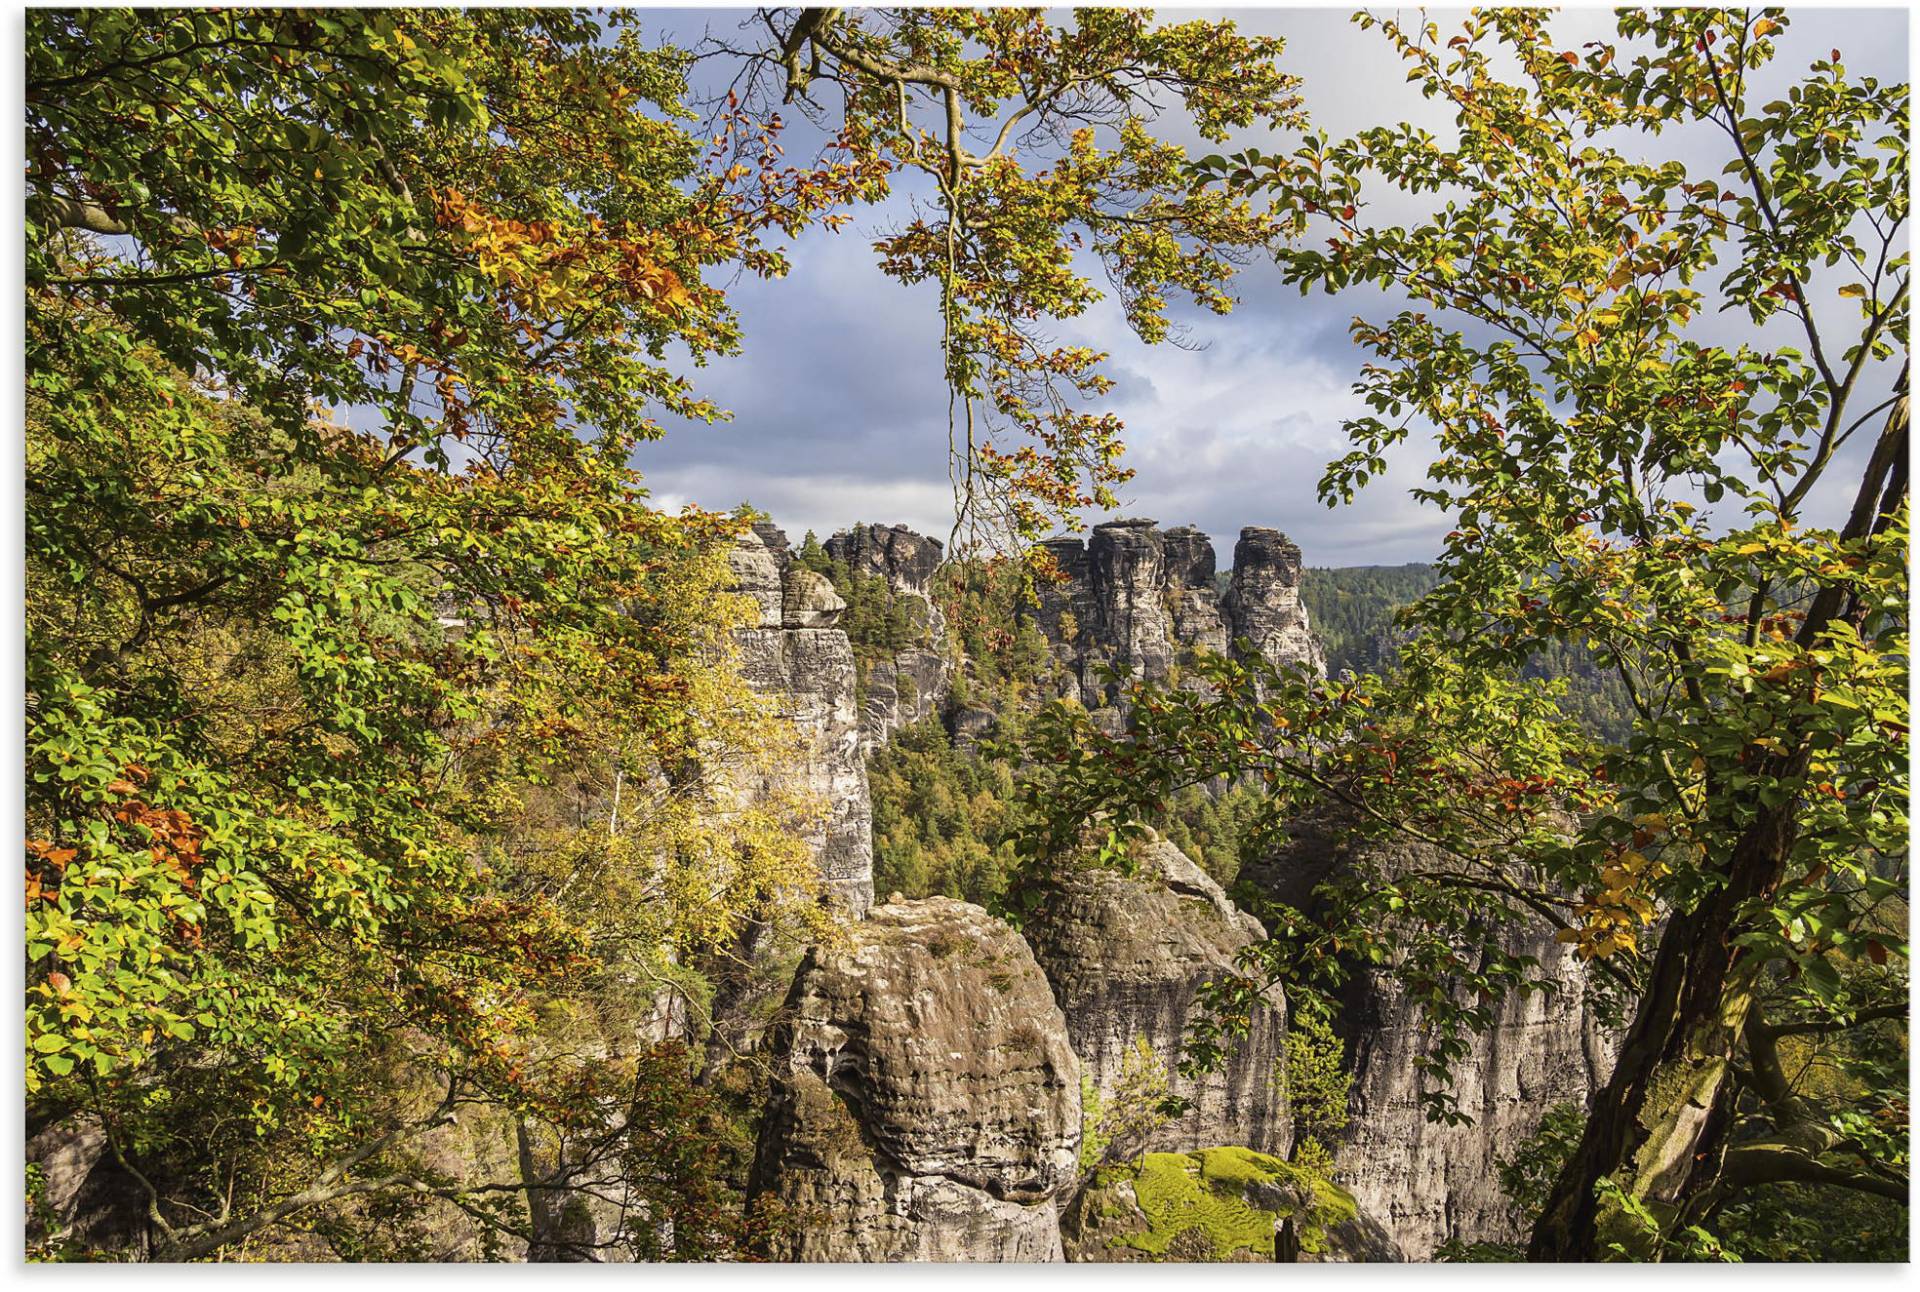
(1202,1205)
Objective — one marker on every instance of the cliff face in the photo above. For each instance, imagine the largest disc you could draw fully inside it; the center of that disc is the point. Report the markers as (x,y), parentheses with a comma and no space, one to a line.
(905,1120)
(925,1102)
(912,683)
(1140,601)
(1126,957)
(1426,1182)
(797,653)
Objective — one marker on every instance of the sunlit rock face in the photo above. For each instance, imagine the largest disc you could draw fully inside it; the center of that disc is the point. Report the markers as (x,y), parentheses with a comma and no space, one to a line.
(1424,1181)
(925,1101)
(1141,602)
(797,654)
(1127,955)
(1262,604)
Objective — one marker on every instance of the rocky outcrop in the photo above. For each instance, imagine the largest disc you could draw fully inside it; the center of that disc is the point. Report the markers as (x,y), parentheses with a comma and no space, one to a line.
(906,560)
(910,684)
(84,1197)
(1140,601)
(1428,1182)
(1126,956)
(1217,1204)
(808,600)
(796,653)
(1263,603)
(925,1102)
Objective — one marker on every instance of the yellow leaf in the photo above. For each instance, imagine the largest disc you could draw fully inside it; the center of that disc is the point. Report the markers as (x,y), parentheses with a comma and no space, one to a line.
(1853,289)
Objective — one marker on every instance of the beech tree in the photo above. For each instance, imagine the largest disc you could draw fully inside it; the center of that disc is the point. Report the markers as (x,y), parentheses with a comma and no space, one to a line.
(1038,141)
(1642,376)
(291,681)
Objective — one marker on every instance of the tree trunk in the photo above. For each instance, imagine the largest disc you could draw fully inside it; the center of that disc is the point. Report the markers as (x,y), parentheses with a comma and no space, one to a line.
(560,1221)
(1654,1131)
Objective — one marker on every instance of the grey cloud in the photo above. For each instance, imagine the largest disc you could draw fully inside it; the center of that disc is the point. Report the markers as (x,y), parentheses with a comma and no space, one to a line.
(841,414)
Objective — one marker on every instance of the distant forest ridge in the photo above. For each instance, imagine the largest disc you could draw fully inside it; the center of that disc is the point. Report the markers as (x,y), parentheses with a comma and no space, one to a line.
(1351,610)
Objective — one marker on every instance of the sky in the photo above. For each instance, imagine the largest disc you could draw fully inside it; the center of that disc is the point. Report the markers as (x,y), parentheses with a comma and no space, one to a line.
(839,412)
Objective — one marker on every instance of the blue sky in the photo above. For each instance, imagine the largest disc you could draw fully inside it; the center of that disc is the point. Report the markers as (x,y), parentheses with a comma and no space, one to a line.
(840,414)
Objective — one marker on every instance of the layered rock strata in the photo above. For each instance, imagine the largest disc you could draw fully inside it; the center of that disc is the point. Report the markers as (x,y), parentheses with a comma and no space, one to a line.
(925,1102)
(1126,956)
(1139,601)
(796,653)
(1428,1182)
(911,684)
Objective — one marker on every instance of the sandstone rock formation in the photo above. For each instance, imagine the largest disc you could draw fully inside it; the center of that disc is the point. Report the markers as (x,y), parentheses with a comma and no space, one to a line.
(1426,1182)
(1140,601)
(808,600)
(797,654)
(1126,957)
(1263,600)
(912,684)
(926,1103)
(85,1195)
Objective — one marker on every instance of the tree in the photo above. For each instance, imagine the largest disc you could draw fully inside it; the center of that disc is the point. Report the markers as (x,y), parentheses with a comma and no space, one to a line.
(285,676)
(1735,864)
(1035,141)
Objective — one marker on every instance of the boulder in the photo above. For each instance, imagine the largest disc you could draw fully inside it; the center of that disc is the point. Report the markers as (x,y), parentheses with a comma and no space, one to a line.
(1215,1204)
(1127,956)
(808,600)
(925,1103)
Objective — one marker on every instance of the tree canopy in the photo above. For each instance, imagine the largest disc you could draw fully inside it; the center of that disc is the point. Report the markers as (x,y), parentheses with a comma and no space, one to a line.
(293,675)
(1627,478)
(1037,140)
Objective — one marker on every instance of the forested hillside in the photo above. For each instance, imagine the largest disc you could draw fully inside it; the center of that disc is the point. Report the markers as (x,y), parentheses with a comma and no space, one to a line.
(1353,613)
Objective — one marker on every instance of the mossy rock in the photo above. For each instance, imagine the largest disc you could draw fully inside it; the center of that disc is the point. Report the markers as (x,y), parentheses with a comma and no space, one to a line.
(1214,1204)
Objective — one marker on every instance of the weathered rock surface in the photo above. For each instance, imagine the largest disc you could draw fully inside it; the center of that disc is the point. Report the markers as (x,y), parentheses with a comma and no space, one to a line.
(913,683)
(1216,1204)
(797,655)
(86,1197)
(1263,599)
(1426,1182)
(906,560)
(808,600)
(1141,601)
(1126,956)
(925,1102)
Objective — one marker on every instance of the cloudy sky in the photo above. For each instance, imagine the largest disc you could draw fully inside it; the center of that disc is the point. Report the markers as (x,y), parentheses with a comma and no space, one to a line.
(840,414)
